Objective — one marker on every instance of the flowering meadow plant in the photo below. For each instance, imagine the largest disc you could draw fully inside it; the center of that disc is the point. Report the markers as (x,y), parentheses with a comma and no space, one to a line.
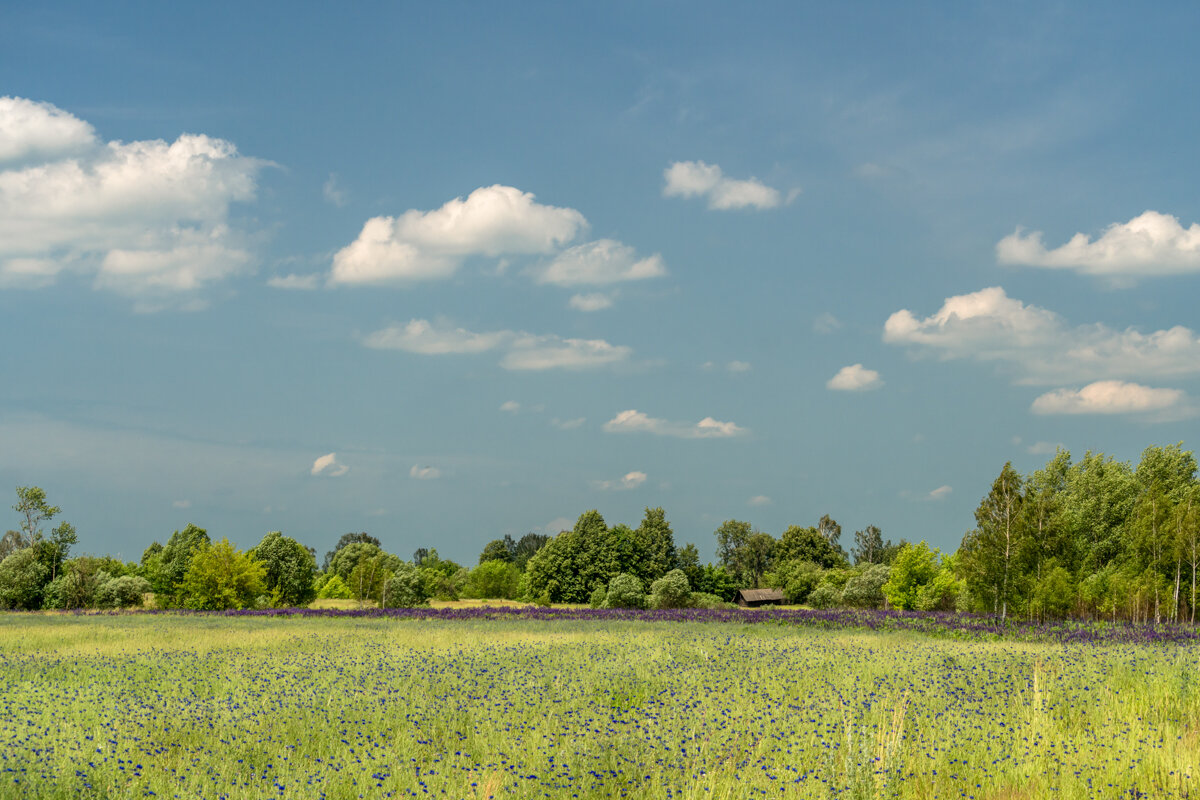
(533,703)
(942,624)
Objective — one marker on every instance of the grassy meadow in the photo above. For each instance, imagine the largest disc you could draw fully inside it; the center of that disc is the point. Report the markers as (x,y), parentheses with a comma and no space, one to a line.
(140,705)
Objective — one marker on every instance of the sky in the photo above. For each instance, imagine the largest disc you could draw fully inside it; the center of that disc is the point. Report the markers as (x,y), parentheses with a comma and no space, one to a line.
(445,272)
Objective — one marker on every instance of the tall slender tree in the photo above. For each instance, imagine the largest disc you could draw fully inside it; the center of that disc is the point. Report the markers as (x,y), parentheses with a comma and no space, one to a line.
(990,551)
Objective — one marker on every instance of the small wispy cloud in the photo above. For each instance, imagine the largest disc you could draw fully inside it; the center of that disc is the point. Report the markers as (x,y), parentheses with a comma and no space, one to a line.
(854,378)
(510,406)
(329,466)
(305,283)
(333,191)
(568,424)
(424,473)
(826,323)
(759,500)
(181,504)
(595,301)
(940,493)
(631,480)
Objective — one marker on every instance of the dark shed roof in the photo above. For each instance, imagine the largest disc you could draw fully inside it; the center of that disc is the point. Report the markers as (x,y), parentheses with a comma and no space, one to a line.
(759,597)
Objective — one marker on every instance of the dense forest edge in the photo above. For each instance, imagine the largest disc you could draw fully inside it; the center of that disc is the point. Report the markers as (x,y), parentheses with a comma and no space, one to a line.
(1094,539)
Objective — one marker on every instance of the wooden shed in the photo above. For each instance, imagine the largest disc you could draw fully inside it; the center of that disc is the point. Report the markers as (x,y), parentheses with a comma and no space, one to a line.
(751,598)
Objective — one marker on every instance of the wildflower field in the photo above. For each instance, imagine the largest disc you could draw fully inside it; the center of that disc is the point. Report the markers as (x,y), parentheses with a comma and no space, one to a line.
(339,705)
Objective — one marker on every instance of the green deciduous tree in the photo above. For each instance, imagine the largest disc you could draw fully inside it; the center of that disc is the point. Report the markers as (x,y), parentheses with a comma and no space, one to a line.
(869,546)
(23,580)
(220,577)
(915,566)
(989,553)
(289,570)
(493,579)
(404,588)
(807,544)
(656,545)
(349,538)
(171,565)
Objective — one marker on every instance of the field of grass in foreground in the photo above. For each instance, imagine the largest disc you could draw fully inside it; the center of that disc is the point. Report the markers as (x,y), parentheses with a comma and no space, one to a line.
(207,706)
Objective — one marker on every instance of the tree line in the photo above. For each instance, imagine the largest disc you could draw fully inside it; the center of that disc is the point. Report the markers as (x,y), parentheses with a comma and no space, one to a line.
(1097,538)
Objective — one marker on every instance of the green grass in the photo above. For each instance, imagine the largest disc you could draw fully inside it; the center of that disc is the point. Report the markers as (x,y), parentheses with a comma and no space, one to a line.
(194,706)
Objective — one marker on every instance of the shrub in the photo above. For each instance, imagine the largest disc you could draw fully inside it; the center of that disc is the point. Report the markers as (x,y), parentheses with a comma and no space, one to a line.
(493,579)
(127,591)
(332,587)
(940,594)
(915,566)
(405,589)
(22,580)
(625,591)
(598,596)
(824,596)
(220,577)
(670,591)
(706,600)
(866,589)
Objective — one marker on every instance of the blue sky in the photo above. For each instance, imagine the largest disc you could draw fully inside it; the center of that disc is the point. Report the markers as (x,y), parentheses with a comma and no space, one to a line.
(445,272)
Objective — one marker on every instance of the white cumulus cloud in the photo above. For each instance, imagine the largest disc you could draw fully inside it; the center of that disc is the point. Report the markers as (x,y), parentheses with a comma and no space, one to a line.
(634,421)
(1147,245)
(143,218)
(428,245)
(599,263)
(30,130)
(631,480)
(1037,346)
(424,473)
(854,378)
(1110,397)
(697,179)
(329,465)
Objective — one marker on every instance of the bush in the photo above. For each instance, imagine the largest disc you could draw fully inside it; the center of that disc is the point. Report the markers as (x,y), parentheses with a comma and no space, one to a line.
(220,577)
(706,600)
(405,589)
(332,587)
(940,594)
(127,591)
(670,591)
(625,591)
(866,589)
(493,579)
(824,596)
(915,565)
(597,598)
(22,580)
